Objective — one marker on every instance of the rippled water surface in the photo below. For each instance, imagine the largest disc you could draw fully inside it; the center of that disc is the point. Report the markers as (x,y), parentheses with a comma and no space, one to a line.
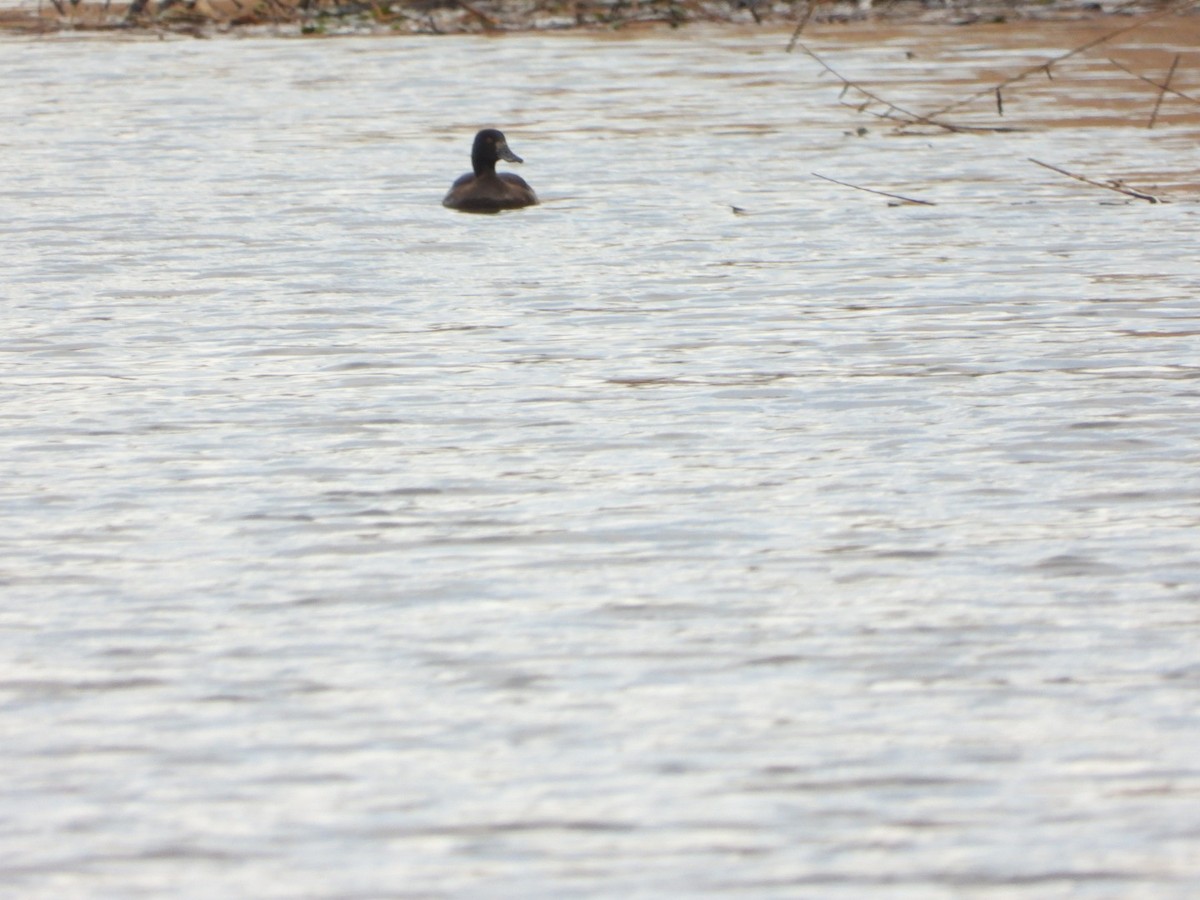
(630,545)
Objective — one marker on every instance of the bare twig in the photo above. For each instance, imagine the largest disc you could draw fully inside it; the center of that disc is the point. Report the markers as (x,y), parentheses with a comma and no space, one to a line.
(847,84)
(1110,186)
(902,117)
(1045,65)
(873,191)
(812,5)
(1151,81)
(892,111)
(1166,84)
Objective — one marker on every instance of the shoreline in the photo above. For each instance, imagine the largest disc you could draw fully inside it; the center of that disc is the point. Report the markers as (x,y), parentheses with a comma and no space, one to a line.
(293,18)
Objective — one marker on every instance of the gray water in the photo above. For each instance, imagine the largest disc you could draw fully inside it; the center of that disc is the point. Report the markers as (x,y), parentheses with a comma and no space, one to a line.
(623,546)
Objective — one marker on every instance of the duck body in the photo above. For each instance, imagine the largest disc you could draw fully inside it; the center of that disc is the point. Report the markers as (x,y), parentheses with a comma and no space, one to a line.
(483,190)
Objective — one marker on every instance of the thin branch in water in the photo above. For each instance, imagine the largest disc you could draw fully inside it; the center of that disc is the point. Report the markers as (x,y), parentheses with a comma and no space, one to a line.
(1111,186)
(812,6)
(873,191)
(999,103)
(903,117)
(1152,82)
(1165,85)
(847,84)
(1045,66)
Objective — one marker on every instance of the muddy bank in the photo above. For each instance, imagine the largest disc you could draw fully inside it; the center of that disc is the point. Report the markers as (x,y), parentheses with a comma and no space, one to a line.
(330,17)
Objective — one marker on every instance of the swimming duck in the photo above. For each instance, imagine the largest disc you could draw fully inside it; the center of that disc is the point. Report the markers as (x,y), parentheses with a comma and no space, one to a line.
(483,191)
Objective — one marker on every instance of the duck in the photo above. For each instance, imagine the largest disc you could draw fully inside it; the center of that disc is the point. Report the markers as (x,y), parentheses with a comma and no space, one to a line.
(483,190)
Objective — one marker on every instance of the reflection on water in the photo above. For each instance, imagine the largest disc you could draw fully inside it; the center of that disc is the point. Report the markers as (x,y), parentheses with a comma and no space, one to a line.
(357,548)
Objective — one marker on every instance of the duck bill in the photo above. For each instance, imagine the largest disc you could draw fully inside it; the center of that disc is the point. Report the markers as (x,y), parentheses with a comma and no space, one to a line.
(504,153)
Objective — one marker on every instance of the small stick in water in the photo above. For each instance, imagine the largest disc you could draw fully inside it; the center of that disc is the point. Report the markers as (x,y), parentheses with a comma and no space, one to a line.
(1111,186)
(873,191)
(1152,82)
(812,5)
(1166,85)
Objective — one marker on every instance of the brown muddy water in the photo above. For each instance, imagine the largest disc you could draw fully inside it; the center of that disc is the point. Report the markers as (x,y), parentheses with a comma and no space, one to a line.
(629,545)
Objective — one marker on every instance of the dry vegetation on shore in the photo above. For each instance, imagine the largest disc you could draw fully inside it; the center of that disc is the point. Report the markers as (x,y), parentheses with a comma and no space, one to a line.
(482,16)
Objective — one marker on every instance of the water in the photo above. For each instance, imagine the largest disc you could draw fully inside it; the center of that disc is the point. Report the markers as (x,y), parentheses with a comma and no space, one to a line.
(623,546)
